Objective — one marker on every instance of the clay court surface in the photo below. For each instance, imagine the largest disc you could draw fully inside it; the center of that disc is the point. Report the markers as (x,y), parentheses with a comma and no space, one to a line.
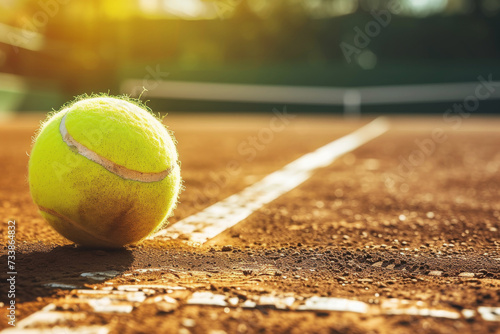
(405,236)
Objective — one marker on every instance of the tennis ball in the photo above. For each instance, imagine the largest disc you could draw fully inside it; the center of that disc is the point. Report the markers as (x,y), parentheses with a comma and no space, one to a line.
(104,172)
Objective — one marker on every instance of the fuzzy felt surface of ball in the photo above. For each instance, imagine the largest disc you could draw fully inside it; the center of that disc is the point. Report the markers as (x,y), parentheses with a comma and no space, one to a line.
(104,172)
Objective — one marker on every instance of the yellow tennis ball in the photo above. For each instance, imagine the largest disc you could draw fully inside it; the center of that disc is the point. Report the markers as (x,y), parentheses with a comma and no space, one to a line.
(104,172)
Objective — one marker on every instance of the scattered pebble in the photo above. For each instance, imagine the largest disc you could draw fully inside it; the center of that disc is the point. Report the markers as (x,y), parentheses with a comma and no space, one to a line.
(101,275)
(466,275)
(165,307)
(63,286)
(227,248)
(187,322)
(217,331)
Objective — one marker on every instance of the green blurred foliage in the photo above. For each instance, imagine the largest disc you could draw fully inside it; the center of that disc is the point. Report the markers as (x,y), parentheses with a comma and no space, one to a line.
(92,45)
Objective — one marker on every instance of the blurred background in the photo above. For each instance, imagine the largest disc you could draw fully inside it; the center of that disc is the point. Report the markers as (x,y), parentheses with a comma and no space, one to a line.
(250,55)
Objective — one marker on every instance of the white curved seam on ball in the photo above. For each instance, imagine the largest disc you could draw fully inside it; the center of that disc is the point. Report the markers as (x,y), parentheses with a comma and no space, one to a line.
(109,165)
(74,224)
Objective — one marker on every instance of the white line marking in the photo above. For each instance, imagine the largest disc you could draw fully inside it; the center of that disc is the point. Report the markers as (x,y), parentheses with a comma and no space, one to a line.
(208,223)
(424,313)
(489,313)
(207,298)
(48,320)
(316,303)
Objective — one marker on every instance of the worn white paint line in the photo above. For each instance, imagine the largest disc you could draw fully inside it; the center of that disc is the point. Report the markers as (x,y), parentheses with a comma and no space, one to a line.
(468,313)
(48,320)
(207,298)
(424,312)
(106,305)
(489,313)
(280,303)
(203,226)
(316,303)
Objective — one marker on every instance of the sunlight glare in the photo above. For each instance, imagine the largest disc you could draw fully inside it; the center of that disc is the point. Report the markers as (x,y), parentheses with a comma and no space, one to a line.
(426,7)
